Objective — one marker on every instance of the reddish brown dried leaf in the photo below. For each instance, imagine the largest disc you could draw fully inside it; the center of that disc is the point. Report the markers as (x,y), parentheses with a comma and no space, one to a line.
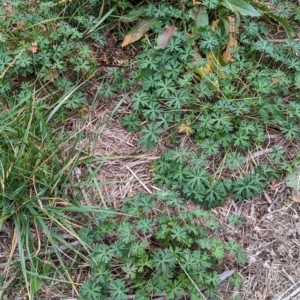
(164,37)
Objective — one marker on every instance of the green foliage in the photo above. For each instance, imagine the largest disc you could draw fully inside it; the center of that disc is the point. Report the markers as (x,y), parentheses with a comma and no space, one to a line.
(44,65)
(34,177)
(186,172)
(236,280)
(46,51)
(181,85)
(235,220)
(144,254)
(188,86)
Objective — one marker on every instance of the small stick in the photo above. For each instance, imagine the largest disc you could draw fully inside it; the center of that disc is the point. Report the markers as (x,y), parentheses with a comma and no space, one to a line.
(139,180)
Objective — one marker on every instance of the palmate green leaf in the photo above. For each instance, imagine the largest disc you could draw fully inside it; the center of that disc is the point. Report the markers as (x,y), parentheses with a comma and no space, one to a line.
(165,88)
(150,137)
(212,279)
(145,202)
(145,225)
(125,231)
(144,262)
(102,253)
(138,248)
(174,289)
(189,261)
(141,295)
(247,187)
(282,21)
(101,273)
(236,280)
(218,250)
(130,270)
(179,234)
(91,290)
(164,260)
(197,178)
(118,290)
(241,256)
(241,7)
(157,283)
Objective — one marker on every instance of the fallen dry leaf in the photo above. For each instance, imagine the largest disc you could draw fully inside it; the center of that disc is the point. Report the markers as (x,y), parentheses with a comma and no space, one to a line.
(215,25)
(227,55)
(8,8)
(137,31)
(185,128)
(33,49)
(18,26)
(164,37)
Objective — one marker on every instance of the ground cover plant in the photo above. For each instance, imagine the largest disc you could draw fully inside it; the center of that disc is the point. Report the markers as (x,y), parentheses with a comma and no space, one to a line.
(212,72)
(147,255)
(215,74)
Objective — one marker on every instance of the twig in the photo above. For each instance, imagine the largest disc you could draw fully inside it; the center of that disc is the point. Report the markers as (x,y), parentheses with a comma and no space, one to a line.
(289,289)
(77,173)
(295,292)
(259,153)
(281,40)
(270,208)
(139,180)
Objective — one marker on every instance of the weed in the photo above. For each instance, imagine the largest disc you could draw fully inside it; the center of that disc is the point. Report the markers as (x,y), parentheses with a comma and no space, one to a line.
(140,255)
(43,67)
(235,220)
(207,72)
(214,77)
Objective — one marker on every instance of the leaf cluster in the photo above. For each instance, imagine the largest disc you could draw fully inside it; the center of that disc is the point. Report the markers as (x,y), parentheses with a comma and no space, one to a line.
(235,100)
(144,254)
(187,172)
(216,77)
(47,51)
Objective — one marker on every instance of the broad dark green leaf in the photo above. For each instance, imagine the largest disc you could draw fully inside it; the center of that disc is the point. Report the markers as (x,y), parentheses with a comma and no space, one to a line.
(133,15)
(241,7)
(200,16)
